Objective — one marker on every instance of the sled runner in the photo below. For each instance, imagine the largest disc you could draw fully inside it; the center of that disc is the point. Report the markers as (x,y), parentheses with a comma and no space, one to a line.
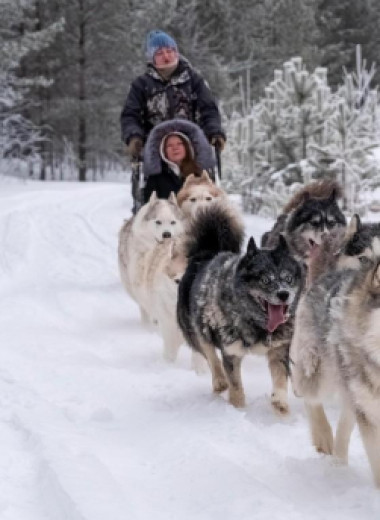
(138,183)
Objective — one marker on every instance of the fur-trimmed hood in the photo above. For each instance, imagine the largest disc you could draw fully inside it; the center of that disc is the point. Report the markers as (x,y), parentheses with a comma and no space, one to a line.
(173,166)
(203,152)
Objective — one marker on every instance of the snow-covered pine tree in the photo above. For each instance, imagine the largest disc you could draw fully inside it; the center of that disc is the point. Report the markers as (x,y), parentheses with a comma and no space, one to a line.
(18,135)
(300,131)
(287,119)
(351,134)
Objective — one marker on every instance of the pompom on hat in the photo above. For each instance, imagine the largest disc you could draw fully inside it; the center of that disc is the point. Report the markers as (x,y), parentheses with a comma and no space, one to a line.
(157,40)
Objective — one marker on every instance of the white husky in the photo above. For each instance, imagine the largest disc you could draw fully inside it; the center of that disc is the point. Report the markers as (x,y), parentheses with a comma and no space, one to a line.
(156,221)
(151,265)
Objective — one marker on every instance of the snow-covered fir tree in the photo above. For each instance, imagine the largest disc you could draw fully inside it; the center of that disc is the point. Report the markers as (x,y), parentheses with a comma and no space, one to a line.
(300,131)
(18,135)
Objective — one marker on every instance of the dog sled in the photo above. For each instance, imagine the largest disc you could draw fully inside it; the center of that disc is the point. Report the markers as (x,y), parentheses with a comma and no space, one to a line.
(150,162)
(137,182)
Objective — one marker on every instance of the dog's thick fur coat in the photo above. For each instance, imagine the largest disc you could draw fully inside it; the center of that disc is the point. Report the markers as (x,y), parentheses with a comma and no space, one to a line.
(156,221)
(336,344)
(198,192)
(310,214)
(151,263)
(237,304)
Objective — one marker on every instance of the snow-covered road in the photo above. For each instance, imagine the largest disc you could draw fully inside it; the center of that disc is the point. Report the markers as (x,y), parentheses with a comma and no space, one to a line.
(94,425)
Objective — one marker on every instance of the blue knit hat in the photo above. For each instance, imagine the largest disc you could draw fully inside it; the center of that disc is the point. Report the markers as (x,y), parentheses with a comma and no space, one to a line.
(157,40)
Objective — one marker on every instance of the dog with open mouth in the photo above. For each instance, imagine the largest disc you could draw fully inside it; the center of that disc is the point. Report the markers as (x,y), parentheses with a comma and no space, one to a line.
(311,214)
(236,303)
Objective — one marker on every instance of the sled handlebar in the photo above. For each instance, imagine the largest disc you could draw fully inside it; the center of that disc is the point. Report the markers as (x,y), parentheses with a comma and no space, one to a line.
(137,158)
(218,156)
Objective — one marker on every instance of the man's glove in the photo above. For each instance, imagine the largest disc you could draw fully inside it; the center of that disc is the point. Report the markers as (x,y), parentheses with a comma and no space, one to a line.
(135,147)
(218,141)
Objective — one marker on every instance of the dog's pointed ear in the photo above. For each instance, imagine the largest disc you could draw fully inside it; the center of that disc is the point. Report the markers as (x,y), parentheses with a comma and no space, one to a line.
(252,248)
(173,199)
(189,179)
(205,176)
(244,267)
(355,223)
(281,248)
(375,278)
(282,243)
(353,227)
(153,197)
(333,195)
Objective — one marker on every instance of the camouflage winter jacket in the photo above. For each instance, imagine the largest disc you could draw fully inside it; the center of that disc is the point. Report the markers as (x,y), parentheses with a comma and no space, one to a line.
(152,100)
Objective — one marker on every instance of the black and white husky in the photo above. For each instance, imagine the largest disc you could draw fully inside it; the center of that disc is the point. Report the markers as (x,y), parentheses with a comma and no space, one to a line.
(310,215)
(237,303)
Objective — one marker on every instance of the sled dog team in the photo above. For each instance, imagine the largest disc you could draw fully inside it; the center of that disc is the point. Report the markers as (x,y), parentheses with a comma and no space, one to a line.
(308,298)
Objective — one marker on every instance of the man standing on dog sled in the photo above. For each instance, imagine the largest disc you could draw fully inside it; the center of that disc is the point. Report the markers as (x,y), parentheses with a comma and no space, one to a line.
(169,89)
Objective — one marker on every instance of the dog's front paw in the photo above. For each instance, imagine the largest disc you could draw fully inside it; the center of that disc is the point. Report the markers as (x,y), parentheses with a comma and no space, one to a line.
(323,441)
(219,384)
(279,401)
(237,399)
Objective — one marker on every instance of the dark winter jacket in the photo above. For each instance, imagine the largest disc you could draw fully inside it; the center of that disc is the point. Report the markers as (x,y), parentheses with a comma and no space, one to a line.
(163,184)
(152,99)
(159,176)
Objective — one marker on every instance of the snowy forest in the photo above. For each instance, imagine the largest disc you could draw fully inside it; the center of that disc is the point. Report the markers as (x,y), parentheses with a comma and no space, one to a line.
(105,412)
(298,96)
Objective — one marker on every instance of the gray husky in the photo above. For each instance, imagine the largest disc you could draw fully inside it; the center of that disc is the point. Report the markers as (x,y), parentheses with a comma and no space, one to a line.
(237,304)
(361,242)
(312,213)
(336,344)
(348,248)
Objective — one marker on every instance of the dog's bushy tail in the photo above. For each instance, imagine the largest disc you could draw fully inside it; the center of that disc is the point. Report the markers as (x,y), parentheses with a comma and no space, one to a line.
(214,229)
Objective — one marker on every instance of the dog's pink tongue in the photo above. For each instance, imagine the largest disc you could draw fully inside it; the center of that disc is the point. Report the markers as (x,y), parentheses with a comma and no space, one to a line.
(276,316)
